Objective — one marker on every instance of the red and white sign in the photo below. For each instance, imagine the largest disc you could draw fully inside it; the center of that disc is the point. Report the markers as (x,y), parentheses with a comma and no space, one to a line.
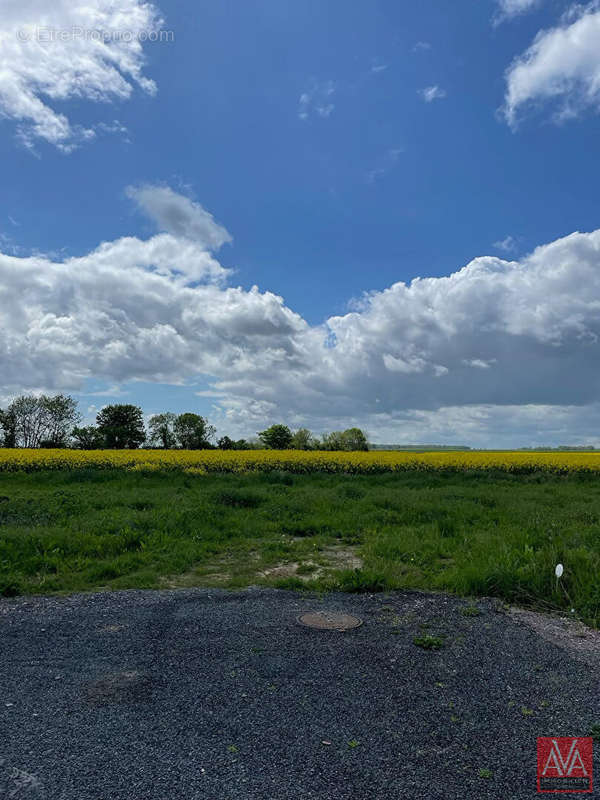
(564,764)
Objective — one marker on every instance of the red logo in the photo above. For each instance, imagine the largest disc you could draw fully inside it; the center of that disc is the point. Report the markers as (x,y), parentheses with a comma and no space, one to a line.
(564,764)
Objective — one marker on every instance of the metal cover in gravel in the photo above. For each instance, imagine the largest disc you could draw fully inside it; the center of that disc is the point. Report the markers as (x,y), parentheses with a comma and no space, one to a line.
(329,621)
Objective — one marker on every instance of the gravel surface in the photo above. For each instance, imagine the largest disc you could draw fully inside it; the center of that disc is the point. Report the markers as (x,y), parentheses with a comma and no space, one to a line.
(210,694)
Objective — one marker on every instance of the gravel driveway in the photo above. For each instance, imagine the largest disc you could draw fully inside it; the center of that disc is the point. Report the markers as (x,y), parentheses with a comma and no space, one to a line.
(207,694)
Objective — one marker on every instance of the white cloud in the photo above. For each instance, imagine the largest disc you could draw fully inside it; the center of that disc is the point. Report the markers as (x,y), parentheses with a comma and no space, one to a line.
(419,46)
(507,9)
(496,351)
(431,93)
(489,425)
(493,334)
(405,365)
(113,127)
(508,244)
(135,309)
(412,364)
(478,363)
(51,51)
(561,67)
(317,100)
(178,215)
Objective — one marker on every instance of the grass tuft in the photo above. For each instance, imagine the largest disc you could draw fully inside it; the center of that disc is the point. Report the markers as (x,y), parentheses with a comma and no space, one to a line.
(429,642)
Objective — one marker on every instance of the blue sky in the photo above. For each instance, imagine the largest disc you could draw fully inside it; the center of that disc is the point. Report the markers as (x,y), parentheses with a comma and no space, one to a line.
(346,148)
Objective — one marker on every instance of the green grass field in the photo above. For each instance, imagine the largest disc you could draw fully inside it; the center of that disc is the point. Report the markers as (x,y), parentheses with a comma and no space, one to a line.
(472,534)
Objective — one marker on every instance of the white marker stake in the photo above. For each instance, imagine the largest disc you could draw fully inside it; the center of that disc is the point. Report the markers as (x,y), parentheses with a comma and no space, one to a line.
(558,571)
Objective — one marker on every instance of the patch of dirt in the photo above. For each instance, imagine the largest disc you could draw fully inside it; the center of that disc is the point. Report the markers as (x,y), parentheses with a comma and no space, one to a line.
(337,558)
(205,573)
(281,571)
(342,557)
(570,634)
(188,580)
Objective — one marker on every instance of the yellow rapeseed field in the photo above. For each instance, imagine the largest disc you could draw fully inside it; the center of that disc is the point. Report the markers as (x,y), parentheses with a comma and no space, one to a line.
(202,461)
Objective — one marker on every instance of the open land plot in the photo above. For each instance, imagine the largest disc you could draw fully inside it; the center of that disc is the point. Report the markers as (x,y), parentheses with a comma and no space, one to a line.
(490,533)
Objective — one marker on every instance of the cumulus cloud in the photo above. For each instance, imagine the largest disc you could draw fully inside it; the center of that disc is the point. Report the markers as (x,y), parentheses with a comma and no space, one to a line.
(431,93)
(178,215)
(497,343)
(561,67)
(57,50)
(134,309)
(493,334)
(128,311)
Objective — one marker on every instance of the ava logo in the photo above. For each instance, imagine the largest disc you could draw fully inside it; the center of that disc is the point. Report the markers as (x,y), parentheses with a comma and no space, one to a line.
(564,764)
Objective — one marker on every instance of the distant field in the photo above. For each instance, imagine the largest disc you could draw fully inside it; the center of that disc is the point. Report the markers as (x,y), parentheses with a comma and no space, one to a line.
(297,461)
(474,533)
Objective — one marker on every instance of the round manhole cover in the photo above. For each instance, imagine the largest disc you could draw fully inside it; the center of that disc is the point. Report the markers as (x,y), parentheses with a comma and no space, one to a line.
(329,621)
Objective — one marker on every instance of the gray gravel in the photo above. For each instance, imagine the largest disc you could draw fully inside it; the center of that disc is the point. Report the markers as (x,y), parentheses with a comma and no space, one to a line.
(208,694)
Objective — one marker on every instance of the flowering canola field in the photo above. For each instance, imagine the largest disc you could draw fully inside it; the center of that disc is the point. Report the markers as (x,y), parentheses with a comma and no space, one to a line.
(203,461)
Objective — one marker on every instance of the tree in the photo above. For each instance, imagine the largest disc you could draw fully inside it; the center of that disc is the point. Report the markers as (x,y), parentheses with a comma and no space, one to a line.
(162,430)
(29,419)
(87,438)
(121,426)
(8,424)
(354,439)
(277,437)
(40,421)
(193,432)
(332,441)
(225,443)
(60,416)
(350,439)
(303,440)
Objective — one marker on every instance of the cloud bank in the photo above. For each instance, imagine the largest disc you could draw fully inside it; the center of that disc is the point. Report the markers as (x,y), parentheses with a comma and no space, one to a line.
(495,349)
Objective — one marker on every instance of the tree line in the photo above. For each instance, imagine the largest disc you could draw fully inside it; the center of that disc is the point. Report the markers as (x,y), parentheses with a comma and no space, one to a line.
(54,422)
